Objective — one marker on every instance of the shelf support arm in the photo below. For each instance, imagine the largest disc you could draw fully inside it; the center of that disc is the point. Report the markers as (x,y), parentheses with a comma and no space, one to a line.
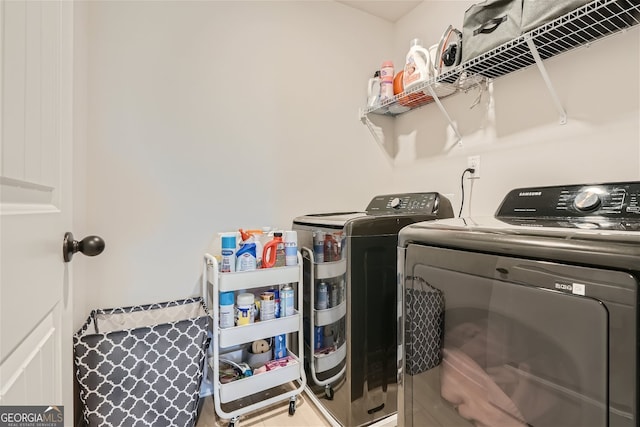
(364,118)
(367,122)
(444,112)
(547,80)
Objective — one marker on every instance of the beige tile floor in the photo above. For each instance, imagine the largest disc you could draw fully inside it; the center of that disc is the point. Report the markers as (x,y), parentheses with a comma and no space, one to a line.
(276,415)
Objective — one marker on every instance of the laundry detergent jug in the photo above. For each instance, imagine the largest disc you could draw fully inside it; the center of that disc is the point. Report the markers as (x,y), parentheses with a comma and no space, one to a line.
(273,254)
(373,90)
(417,67)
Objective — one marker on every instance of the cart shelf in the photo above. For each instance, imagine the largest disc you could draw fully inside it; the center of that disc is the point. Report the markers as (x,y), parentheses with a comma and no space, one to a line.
(263,277)
(323,362)
(330,315)
(326,270)
(258,330)
(241,388)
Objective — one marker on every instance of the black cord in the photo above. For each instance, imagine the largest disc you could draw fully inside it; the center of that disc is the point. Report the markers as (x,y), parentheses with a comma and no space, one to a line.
(470,170)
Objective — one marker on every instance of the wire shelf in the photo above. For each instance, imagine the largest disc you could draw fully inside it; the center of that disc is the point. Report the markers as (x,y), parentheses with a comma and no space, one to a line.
(580,27)
(416,97)
(591,22)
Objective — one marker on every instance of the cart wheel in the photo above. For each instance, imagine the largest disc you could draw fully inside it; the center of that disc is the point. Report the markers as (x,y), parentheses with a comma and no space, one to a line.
(328,391)
(234,422)
(292,407)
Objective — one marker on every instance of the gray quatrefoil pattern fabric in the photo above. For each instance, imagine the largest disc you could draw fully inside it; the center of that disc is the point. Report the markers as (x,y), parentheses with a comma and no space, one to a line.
(142,365)
(424,324)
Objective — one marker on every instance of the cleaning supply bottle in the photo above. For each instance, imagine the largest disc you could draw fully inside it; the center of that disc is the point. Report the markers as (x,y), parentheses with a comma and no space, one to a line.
(227,309)
(329,248)
(246,255)
(273,253)
(386,81)
(262,238)
(318,246)
(245,309)
(287,302)
(228,253)
(373,90)
(291,247)
(417,68)
(258,236)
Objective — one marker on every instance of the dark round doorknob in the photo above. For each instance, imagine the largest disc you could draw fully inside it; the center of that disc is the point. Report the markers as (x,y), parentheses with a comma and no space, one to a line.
(90,246)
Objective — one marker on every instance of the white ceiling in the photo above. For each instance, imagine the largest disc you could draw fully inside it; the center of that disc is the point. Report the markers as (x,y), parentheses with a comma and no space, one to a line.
(391,10)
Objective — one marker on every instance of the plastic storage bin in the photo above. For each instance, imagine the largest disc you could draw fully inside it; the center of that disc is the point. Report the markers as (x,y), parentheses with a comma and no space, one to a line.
(142,365)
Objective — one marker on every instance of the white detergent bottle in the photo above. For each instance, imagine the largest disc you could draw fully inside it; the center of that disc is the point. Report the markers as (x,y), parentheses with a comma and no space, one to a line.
(417,68)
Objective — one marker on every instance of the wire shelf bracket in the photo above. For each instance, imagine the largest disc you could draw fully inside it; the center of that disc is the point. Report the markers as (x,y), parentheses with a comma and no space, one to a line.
(547,80)
(377,134)
(444,112)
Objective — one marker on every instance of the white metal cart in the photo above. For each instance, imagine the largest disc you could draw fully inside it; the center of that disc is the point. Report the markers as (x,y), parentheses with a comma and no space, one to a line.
(325,361)
(237,335)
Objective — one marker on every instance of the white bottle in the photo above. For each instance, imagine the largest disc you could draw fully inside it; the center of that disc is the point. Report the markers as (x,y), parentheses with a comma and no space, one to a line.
(227,310)
(261,239)
(245,309)
(417,68)
(373,90)
(386,81)
(287,302)
(291,247)
(228,253)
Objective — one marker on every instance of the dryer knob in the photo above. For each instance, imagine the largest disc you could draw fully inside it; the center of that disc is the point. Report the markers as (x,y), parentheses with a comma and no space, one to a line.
(395,203)
(587,200)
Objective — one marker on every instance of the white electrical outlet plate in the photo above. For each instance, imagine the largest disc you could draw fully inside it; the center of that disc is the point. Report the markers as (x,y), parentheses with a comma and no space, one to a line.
(474,162)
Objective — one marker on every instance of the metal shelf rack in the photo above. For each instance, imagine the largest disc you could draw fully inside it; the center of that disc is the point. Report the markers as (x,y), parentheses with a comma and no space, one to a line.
(580,27)
(292,374)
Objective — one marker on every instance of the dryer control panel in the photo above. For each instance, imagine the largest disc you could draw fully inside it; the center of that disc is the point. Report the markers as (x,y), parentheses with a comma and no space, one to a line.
(609,205)
(390,204)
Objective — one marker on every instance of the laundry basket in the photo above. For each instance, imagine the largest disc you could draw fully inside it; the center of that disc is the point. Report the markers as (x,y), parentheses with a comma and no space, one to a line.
(142,365)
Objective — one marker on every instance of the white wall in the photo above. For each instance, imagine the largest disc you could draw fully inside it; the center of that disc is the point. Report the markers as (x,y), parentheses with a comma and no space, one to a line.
(208,116)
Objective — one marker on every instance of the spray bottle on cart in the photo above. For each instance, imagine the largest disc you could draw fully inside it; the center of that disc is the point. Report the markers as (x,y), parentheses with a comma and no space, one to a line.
(228,252)
(259,237)
(246,255)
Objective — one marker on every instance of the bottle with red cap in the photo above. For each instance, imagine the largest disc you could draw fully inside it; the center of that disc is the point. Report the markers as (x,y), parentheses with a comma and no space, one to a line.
(273,254)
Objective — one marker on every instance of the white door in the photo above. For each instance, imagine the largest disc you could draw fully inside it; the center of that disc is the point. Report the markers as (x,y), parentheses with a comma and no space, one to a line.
(35,203)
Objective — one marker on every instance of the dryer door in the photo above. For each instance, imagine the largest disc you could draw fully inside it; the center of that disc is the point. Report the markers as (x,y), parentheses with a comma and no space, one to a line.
(517,342)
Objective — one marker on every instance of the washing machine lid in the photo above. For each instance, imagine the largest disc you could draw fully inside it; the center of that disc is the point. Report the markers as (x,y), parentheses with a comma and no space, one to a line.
(495,229)
(387,208)
(333,220)
(595,224)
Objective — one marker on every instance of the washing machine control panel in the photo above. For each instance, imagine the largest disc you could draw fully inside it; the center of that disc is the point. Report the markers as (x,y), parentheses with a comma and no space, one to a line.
(403,203)
(611,205)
